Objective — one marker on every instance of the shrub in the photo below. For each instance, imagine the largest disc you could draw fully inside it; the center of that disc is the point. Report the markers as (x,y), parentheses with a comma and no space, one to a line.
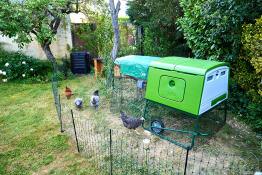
(156,44)
(17,66)
(252,55)
(64,69)
(126,49)
(246,109)
(245,76)
(213,28)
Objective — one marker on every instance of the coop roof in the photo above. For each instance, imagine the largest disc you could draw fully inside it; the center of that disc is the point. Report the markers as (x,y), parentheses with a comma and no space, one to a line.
(186,65)
(135,65)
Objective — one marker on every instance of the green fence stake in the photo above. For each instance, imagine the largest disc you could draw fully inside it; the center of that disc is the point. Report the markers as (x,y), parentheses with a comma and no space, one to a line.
(111,157)
(75,131)
(187,151)
(60,115)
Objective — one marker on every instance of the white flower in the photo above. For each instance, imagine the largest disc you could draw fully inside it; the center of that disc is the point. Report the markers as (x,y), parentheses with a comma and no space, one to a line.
(31,69)
(4,80)
(1,72)
(23,62)
(23,75)
(6,64)
(4,73)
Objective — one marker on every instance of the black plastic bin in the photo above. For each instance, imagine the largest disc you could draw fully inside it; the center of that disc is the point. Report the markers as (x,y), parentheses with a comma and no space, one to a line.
(80,63)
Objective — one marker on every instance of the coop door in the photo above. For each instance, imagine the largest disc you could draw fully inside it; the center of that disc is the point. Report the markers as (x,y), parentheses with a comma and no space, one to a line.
(172,88)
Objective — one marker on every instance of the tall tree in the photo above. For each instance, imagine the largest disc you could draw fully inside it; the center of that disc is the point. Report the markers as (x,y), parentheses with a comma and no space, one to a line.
(114,18)
(21,19)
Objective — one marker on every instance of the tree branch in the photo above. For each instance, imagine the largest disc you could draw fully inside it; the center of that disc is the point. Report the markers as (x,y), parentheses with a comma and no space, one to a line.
(34,32)
(57,23)
(112,6)
(117,7)
(52,23)
(114,19)
(51,13)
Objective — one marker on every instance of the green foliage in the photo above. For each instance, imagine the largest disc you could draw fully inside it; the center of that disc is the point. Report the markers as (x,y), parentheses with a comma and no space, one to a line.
(123,19)
(252,44)
(158,19)
(246,109)
(164,46)
(19,64)
(31,16)
(245,75)
(64,69)
(139,13)
(127,38)
(213,28)
(98,33)
(252,47)
(20,19)
(126,49)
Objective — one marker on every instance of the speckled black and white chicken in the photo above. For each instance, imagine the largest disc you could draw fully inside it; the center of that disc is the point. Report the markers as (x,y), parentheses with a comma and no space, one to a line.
(131,122)
(94,100)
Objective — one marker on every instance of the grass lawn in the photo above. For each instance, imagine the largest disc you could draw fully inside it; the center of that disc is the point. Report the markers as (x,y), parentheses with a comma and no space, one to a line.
(30,141)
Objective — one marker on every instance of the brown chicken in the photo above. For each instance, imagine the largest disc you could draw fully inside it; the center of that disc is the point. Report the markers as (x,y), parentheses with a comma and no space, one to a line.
(68,92)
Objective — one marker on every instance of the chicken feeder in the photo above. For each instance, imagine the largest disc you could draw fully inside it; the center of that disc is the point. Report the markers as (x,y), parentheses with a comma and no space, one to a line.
(190,86)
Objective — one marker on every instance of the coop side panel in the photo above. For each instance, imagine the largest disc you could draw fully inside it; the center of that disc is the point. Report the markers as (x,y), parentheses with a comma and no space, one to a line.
(215,88)
(192,94)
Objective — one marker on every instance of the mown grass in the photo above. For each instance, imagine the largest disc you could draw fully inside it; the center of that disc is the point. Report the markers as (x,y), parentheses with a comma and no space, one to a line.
(30,141)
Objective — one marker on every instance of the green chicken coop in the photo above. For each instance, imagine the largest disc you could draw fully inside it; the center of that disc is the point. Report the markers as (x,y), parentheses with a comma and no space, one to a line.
(190,86)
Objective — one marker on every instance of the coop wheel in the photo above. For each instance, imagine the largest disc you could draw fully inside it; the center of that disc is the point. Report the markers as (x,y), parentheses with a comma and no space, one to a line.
(157,123)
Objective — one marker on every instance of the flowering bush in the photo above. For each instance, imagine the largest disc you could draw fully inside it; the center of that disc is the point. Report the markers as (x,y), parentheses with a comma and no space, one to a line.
(16,66)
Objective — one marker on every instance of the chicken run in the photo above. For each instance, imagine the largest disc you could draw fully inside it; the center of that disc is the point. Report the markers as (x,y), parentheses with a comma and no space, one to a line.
(190,86)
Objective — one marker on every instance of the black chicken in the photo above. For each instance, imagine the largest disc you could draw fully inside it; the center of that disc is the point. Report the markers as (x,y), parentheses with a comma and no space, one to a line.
(131,122)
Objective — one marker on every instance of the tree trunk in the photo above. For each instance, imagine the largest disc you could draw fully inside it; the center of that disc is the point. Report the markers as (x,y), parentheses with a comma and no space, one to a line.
(54,24)
(49,55)
(114,18)
(139,39)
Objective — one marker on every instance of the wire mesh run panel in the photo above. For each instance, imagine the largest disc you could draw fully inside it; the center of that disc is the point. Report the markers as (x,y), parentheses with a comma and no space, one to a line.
(80,62)
(190,85)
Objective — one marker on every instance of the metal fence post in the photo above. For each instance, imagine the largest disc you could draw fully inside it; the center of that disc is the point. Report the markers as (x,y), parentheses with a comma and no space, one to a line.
(75,131)
(225,112)
(187,151)
(60,115)
(57,103)
(111,157)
